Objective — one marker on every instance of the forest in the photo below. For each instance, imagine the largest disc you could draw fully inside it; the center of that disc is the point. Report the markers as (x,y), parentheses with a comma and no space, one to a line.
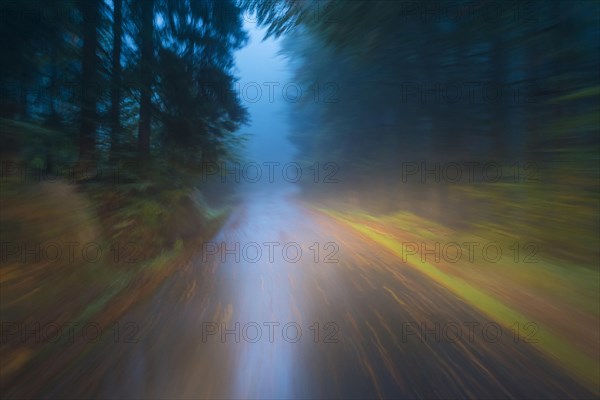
(132,77)
(455,152)
(466,112)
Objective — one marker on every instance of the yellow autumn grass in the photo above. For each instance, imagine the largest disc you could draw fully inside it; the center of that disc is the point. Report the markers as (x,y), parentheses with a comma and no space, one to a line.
(580,366)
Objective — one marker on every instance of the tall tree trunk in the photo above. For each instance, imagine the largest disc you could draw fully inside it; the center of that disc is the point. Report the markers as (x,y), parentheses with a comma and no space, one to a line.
(147,32)
(115,111)
(87,141)
(53,83)
(499,131)
(23,106)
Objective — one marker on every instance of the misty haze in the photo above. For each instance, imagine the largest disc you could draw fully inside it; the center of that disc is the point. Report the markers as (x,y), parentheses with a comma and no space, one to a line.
(257,199)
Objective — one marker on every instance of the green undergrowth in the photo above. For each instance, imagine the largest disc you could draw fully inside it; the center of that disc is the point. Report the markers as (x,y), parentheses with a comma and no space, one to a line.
(76,239)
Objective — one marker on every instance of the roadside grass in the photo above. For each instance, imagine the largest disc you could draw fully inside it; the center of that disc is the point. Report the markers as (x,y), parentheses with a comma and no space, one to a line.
(476,283)
(137,240)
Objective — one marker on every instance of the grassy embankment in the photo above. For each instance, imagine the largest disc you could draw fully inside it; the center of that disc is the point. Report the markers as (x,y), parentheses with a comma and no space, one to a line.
(83,247)
(552,280)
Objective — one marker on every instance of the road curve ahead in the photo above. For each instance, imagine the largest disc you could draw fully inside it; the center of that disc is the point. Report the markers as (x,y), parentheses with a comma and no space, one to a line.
(285,303)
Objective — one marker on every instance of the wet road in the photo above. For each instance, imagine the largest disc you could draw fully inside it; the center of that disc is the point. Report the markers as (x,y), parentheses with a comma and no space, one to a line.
(286,303)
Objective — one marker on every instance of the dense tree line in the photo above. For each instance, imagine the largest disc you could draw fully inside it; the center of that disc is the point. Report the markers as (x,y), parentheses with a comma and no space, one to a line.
(122,78)
(415,89)
(442,81)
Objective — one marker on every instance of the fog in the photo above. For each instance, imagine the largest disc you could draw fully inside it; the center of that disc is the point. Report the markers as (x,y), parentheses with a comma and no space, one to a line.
(263,75)
(384,199)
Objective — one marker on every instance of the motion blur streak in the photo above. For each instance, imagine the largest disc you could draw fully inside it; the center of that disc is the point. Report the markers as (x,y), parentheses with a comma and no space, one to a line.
(251,199)
(369,295)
